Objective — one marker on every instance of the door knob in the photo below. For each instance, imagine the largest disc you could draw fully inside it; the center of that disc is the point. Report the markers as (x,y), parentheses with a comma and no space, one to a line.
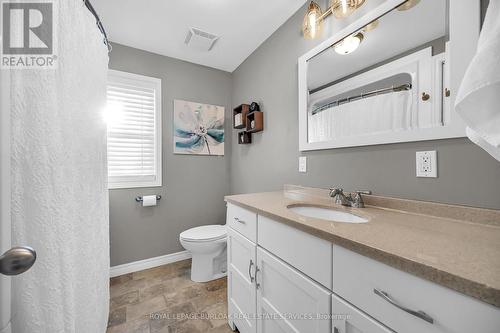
(17,260)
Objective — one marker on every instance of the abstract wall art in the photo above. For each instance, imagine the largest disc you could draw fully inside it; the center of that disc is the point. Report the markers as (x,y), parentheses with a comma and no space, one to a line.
(198,128)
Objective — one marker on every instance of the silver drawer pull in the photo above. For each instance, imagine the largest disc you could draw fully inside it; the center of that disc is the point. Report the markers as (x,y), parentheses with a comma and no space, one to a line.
(240,221)
(419,314)
(257,284)
(250,271)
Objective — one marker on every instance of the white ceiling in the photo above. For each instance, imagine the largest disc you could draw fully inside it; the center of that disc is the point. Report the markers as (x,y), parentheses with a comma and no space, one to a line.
(160,26)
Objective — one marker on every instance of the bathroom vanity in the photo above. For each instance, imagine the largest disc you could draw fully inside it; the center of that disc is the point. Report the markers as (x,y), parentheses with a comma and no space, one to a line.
(404,266)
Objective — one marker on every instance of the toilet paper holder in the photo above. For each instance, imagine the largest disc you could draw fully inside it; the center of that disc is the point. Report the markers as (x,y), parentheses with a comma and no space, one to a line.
(139,198)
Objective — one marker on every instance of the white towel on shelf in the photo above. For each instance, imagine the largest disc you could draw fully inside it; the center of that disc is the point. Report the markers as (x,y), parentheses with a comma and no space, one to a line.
(478,99)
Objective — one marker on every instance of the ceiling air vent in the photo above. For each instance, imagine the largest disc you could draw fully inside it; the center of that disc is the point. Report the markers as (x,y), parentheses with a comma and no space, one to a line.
(200,40)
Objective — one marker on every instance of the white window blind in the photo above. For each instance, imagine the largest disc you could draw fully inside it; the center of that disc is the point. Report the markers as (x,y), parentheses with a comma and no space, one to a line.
(134,130)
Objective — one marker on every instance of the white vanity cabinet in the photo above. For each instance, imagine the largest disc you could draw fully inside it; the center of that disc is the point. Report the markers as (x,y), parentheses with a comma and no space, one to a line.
(282,279)
(241,291)
(287,300)
(268,295)
(407,303)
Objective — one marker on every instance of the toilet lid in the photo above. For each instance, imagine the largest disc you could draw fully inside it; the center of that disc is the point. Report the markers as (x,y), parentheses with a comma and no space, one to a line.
(204,233)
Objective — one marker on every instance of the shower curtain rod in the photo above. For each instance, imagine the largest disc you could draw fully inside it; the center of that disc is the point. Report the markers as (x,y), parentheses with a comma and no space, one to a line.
(406,86)
(98,22)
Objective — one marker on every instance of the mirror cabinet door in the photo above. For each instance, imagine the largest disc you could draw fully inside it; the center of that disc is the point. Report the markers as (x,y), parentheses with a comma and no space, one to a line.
(385,78)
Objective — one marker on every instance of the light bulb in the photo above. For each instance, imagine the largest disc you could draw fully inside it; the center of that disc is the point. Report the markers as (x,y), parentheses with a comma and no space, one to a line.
(348,44)
(344,6)
(312,24)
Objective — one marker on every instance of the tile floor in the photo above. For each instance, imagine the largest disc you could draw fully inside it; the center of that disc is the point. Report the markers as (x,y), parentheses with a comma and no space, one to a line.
(164,299)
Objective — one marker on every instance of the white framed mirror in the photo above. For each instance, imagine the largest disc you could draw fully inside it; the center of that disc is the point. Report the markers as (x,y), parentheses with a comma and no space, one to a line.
(390,76)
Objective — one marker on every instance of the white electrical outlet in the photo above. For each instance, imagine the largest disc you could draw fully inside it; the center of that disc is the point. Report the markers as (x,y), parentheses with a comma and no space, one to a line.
(302,164)
(426,164)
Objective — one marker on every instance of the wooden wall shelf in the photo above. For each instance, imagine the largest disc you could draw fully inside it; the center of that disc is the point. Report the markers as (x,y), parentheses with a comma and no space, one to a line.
(240,116)
(247,120)
(255,121)
(244,138)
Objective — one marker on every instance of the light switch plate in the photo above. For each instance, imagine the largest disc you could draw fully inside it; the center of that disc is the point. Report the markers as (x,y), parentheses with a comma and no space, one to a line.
(426,162)
(302,164)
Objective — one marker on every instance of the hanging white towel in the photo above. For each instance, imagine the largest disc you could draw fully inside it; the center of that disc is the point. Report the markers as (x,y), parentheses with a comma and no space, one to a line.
(474,137)
(478,99)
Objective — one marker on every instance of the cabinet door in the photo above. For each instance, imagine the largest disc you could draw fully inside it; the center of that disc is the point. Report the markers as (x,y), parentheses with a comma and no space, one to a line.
(241,291)
(287,300)
(347,319)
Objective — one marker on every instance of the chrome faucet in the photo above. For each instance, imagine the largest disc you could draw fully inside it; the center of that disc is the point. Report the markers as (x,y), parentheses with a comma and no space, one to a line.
(342,199)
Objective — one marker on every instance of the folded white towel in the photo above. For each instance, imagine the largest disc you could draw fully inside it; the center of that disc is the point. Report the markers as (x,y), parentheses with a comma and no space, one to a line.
(478,99)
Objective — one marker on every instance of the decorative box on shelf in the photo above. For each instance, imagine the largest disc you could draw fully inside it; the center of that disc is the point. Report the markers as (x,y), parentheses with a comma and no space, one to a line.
(255,121)
(240,116)
(244,138)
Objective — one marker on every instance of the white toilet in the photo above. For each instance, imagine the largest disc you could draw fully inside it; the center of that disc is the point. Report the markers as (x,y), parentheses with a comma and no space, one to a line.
(207,245)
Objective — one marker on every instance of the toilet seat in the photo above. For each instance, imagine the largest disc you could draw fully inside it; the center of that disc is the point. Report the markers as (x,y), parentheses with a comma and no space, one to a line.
(204,233)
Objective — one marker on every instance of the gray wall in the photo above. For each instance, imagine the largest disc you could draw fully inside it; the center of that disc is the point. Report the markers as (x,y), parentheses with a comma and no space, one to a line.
(193,186)
(467,174)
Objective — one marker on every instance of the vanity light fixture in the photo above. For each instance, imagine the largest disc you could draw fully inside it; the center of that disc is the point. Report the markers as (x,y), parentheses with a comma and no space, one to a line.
(349,44)
(312,25)
(408,5)
(371,26)
(344,8)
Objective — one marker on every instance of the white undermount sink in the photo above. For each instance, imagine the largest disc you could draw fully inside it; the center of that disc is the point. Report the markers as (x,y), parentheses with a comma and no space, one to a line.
(326,214)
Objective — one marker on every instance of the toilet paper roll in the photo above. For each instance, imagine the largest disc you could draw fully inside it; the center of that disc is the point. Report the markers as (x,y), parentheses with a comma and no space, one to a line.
(149,200)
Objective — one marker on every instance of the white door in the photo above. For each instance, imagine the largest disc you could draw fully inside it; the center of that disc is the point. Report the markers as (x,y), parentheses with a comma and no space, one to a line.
(13,261)
(241,291)
(4,197)
(287,300)
(347,319)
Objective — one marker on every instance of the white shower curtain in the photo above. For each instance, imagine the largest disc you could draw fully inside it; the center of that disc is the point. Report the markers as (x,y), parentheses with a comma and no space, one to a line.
(377,114)
(59,182)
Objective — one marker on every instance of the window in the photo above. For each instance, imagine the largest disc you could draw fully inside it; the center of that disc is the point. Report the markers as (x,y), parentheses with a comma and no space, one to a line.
(133,116)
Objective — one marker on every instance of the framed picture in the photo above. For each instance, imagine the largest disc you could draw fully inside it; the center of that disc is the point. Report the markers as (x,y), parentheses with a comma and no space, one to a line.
(198,128)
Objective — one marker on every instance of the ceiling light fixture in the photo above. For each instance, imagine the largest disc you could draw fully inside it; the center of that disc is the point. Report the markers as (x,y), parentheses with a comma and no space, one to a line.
(312,25)
(408,5)
(348,44)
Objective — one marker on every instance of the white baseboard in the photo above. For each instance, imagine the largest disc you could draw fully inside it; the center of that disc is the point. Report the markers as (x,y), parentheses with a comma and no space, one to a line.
(148,263)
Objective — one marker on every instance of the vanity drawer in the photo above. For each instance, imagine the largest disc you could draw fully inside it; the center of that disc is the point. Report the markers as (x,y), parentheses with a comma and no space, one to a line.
(242,220)
(309,254)
(363,281)
(348,319)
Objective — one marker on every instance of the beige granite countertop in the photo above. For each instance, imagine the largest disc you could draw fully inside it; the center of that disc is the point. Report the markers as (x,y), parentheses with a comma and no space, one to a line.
(458,254)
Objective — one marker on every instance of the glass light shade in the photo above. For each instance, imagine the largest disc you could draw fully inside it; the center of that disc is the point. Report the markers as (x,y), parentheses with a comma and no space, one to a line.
(344,8)
(408,5)
(348,44)
(312,26)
